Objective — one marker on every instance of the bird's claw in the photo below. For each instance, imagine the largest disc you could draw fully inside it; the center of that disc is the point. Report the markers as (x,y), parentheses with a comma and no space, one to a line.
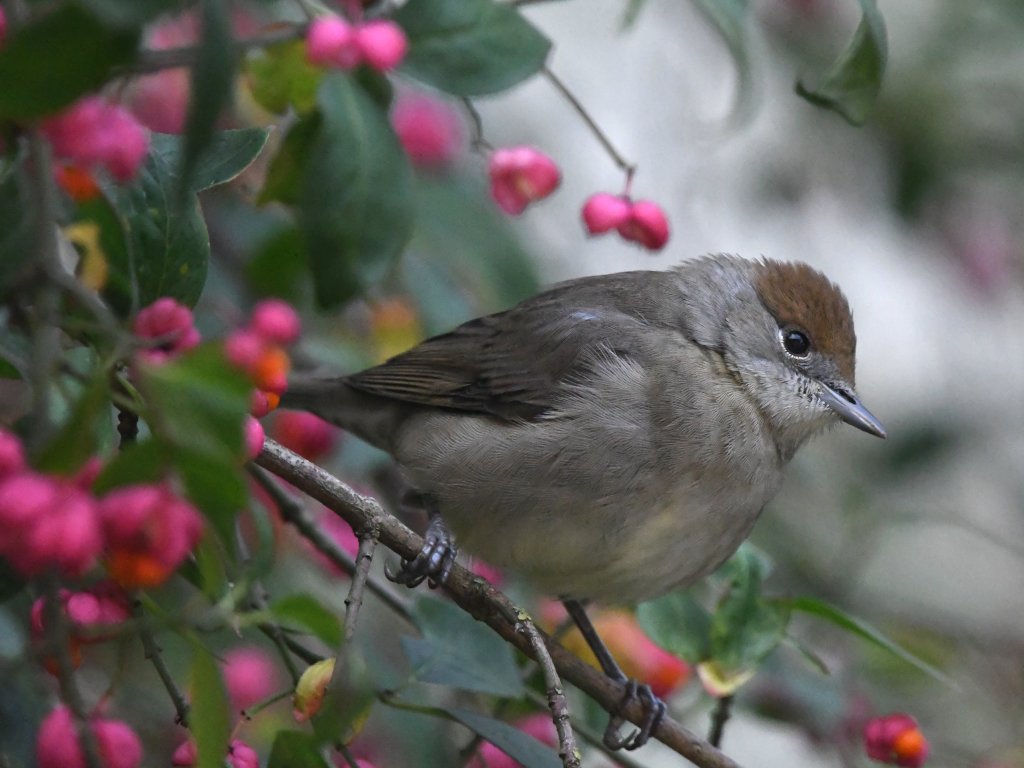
(434,561)
(654,712)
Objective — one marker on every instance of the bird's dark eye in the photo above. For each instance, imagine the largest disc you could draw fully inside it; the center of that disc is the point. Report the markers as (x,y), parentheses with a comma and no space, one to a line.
(796,342)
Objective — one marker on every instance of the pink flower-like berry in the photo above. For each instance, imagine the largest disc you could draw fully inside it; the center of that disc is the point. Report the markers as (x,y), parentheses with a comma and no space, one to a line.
(241,755)
(895,739)
(382,44)
(642,221)
(255,437)
(275,322)
(103,605)
(306,434)
(48,523)
(520,176)
(149,531)
(538,726)
(57,743)
(430,131)
(331,42)
(168,325)
(250,676)
(95,133)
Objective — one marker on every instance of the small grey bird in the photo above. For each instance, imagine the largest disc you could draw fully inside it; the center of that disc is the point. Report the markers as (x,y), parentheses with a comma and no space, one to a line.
(617,436)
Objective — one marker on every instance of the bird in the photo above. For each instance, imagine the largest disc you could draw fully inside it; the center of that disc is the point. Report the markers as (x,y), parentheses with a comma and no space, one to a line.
(614,437)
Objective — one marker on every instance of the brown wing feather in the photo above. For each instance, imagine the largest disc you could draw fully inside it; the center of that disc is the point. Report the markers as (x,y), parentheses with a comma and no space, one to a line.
(510,365)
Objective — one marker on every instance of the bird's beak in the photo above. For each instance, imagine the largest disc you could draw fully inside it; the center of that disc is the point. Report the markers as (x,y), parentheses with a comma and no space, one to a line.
(849,408)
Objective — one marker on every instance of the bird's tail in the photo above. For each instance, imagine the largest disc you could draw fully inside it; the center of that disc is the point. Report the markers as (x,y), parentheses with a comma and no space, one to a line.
(372,418)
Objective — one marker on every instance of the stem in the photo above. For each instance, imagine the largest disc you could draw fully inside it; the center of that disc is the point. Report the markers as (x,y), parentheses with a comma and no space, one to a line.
(354,601)
(155,657)
(627,167)
(477,142)
(719,717)
(567,748)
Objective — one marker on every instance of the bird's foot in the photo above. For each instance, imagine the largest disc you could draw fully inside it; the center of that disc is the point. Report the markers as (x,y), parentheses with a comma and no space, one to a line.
(434,561)
(654,713)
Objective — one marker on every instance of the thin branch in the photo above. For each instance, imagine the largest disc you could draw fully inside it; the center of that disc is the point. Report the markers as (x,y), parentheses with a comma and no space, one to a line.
(57,631)
(477,142)
(567,749)
(155,657)
(480,599)
(151,61)
(295,513)
(719,717)
(274,632)
(250,712)
(627,167)
(354,600)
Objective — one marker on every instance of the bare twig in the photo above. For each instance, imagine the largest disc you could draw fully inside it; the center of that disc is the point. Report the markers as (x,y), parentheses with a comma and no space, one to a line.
(155,657)
(477,142)
(627,167)
(567,749)
(250,712)
(354,600)
(295,513)
(720,716)
(479,599)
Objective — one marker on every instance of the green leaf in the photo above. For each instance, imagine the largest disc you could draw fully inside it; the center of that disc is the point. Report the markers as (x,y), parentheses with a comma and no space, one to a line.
(678,623)
(142,462)
(79,436)
(746,627)
(822,610)
(349,698)
(458,651)
(518,745)
(112,241)
(470,47)
(11,583)
(288,168)
(212,80)
(197,407)
(279,267)
(209,715)
(731,19)
(281,77)
(308,612)
(227,154)
(80,54)
(355,198)
(295,749)
(851,86)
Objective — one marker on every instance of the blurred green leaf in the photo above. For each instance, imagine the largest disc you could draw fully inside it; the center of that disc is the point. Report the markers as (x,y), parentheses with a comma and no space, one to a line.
(458,651)
(8,371)
(470,47)
(308,612)
(211,562)
(631,14)
(17,217)
(128,13)
(209,714)
(295,749)
(288,168)
(213,77)
(141,462)
(822,610)
(279,267)
(851,86)
(678,623)
(80,52)
(197,407)
(349,699)
(227,154)
(355,199)
(746,626)
(79,436)
(731,18)
(281,77)
(520,746)
(10,582)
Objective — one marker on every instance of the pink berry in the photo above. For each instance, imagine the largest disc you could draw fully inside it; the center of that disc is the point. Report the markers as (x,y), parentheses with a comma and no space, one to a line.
(520,176)
(57,743)
(250,676)
(259,404)
(241,755)
(93,132)
(430,131)
(307,435)
(603,212)
(275,321)
(128,143)
(255,437)
(12,454)
(896,739)
(3,26)
(331,42)
(169,324)
(243,348)
(646,225)
(382,44)
(186,754)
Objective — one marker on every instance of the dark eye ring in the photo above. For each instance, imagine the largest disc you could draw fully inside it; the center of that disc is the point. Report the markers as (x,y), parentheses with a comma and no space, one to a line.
(796,342)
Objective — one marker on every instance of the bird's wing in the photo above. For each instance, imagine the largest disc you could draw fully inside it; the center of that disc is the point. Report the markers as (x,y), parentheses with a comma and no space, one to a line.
(513,365)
